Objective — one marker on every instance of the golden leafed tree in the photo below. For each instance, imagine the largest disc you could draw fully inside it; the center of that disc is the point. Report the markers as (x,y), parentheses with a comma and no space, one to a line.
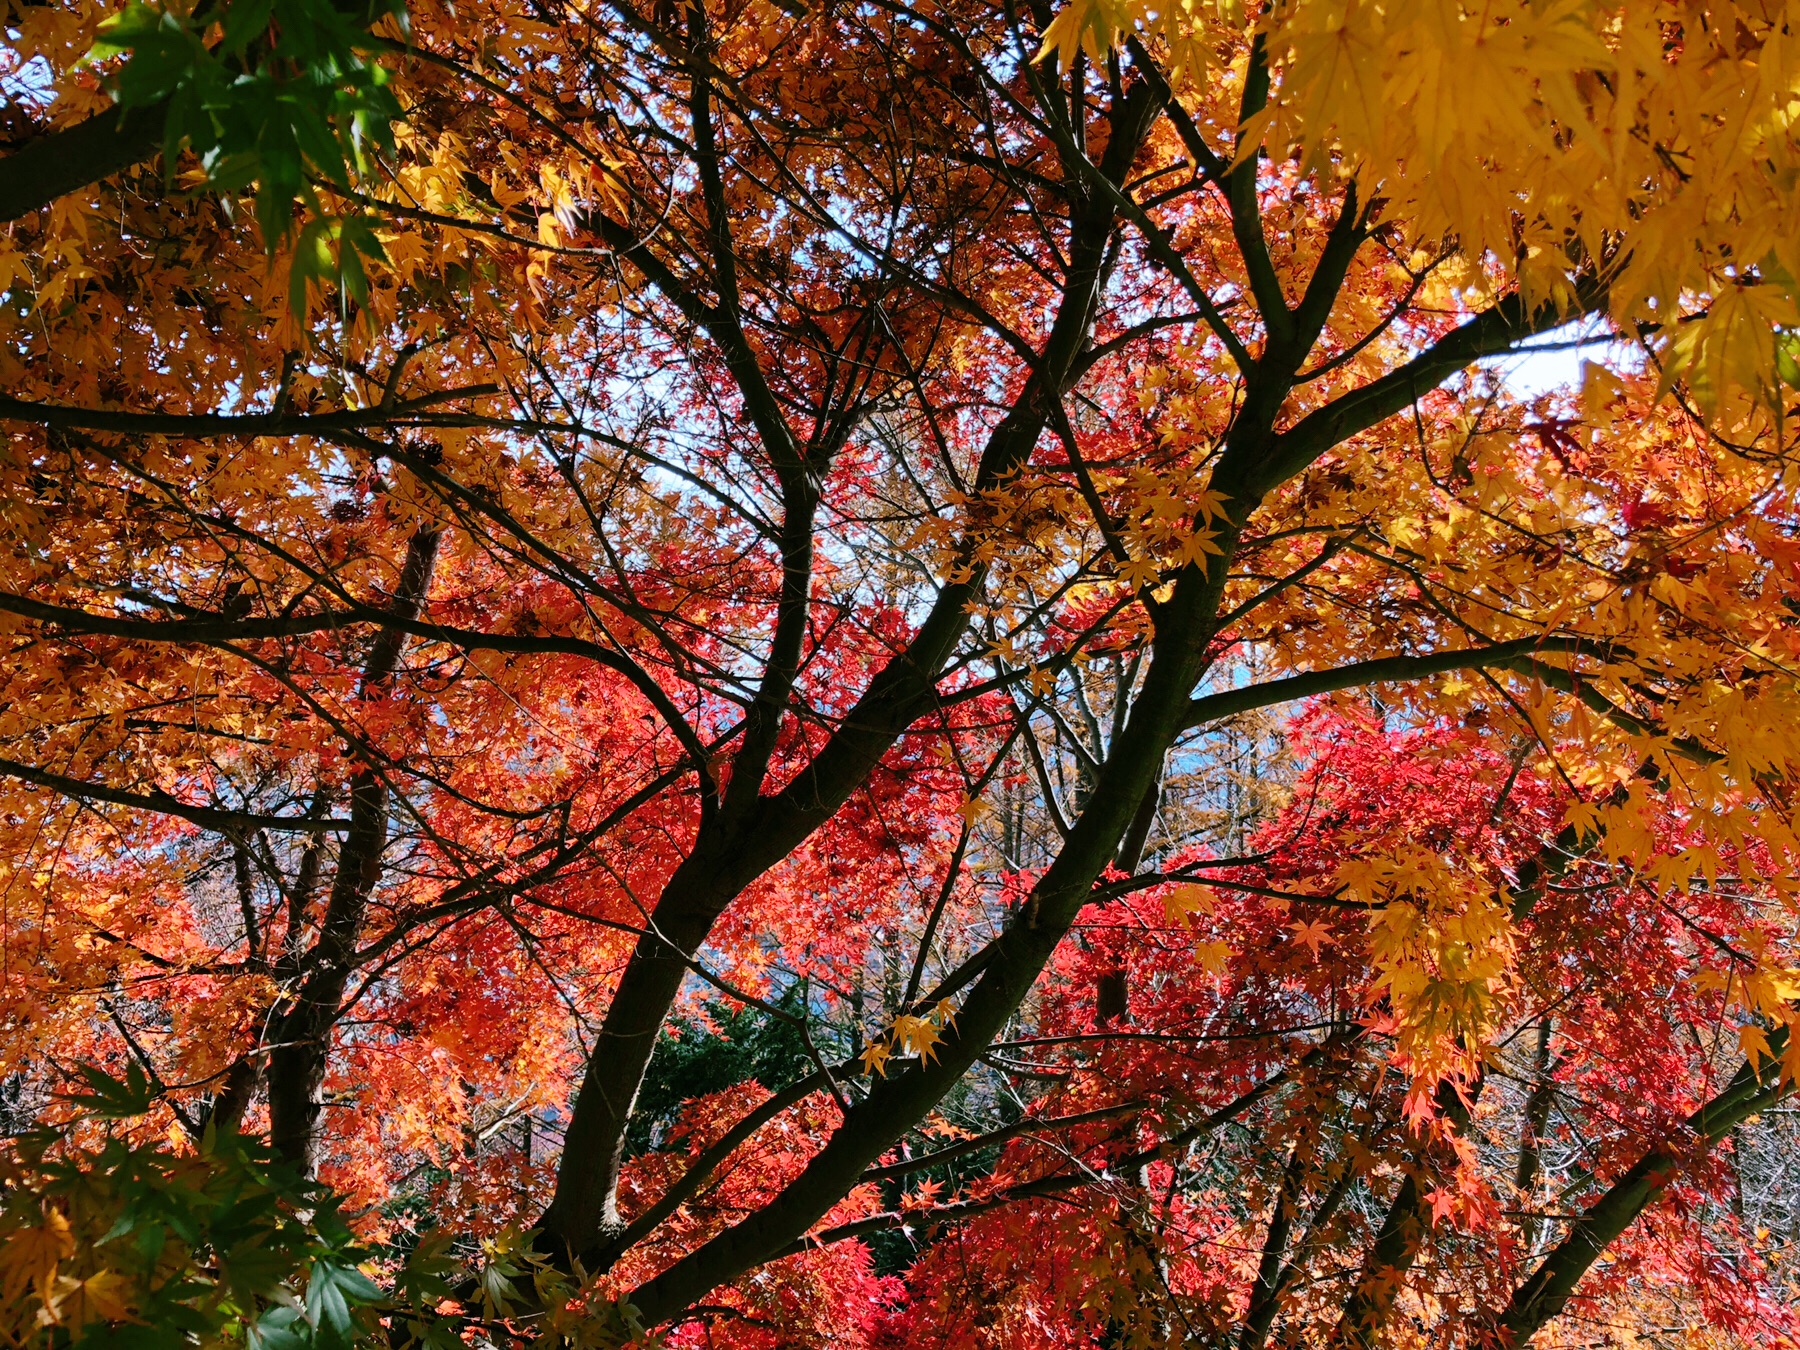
(899,674)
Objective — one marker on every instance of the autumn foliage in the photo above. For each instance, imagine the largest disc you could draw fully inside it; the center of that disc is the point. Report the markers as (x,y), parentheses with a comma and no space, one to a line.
(898,675)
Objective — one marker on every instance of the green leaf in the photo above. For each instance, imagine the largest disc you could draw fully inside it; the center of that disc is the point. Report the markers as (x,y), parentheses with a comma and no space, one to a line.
(1787,363)
(425,1276)
(113,1098)
(245,21)
(279,1329)
(498,1293)
(289,94)
(332,1293)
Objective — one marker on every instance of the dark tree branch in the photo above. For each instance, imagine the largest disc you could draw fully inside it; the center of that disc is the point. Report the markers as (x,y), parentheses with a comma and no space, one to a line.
(65,161)
(296,1066)
(1754,1088)
(1381,670)
(718,868)
(224,821)
(1490,333)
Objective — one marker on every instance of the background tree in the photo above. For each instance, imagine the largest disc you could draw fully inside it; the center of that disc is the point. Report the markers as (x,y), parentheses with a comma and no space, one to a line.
(807,509)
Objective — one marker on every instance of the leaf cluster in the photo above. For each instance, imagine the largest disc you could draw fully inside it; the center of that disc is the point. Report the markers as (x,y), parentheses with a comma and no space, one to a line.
(272,97)
(141,1246)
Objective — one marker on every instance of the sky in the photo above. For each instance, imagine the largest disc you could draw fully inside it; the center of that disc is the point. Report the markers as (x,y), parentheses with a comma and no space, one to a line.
(1553,362)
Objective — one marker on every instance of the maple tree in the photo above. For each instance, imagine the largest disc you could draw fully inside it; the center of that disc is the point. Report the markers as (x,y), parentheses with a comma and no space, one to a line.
(767,551)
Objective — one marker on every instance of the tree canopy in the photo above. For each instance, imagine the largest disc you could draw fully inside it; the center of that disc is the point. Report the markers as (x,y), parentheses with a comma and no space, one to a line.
(900,674)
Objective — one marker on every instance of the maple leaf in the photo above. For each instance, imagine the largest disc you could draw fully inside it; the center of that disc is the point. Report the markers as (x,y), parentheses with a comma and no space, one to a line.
(1138,573)
(974,810)
(923,1196)
(1092,26)
(30,1254)
(1209,505)
(1753,1042)
(102,1296)
(1195,546)
(1443,1205)
(940,1128)
(1213,957)
(1183,902)
(875,1056)
(917,1035)
(1312,934)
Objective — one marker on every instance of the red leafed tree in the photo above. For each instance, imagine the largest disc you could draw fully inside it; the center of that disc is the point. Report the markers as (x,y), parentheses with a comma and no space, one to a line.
(1247,1224)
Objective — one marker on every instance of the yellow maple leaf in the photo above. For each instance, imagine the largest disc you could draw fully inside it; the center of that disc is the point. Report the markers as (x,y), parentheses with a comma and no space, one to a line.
(1754,1042)
(1093,26)
(1139,572)
(875,1056)
(1198,545)
(917,1035)
(974,810)
(102,1297)
(1184,901)
(1209,505)
(30,1255)
(1213,957)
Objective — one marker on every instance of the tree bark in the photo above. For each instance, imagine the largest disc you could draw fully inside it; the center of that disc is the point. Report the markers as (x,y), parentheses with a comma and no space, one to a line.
(1542,1297)
(65,161)
(301,1033)
(1537,1116)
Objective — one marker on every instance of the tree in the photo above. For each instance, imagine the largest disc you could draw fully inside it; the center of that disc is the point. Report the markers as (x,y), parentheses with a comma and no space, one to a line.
(806,507)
